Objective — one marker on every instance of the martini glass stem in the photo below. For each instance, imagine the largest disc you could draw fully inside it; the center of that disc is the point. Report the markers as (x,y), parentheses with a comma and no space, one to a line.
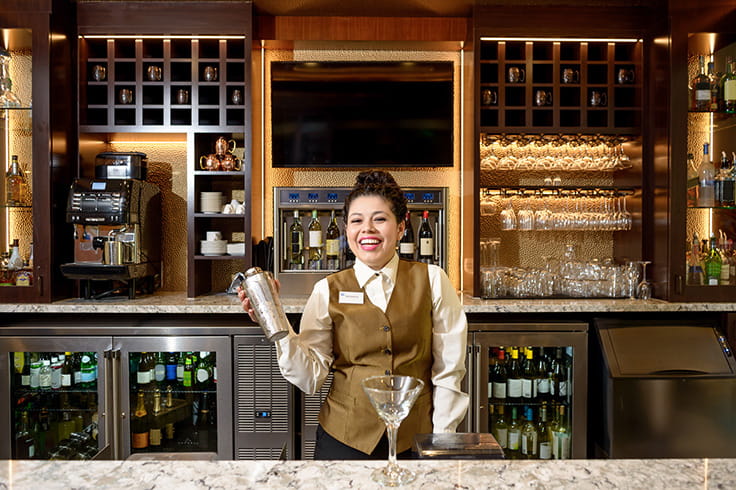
(392,431)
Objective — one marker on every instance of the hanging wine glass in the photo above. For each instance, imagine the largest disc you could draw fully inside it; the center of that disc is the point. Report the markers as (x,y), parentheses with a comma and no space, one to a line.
(644,289)
(392,397)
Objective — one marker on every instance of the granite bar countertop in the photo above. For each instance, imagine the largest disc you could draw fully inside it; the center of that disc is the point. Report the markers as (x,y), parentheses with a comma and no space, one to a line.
(670,474)
(177,302)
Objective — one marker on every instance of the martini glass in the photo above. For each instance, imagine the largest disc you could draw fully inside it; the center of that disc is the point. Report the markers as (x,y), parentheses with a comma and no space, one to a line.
(392,397)
(644,289)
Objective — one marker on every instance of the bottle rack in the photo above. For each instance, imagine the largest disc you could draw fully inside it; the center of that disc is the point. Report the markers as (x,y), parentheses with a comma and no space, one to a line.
(182,98)
(568,75)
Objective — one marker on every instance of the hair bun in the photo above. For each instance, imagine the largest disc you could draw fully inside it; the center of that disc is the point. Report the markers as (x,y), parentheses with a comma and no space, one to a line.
(375,178)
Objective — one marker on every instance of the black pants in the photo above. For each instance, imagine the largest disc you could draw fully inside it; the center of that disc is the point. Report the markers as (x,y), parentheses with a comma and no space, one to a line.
(330,448)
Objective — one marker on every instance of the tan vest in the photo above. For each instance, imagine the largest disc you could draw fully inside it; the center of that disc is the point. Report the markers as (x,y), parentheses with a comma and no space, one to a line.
(368,342)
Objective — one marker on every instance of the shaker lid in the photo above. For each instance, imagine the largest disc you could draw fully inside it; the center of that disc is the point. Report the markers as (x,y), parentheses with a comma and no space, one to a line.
(253,271)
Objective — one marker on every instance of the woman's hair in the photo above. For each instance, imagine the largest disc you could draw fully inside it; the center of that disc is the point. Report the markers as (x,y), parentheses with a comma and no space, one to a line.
(378,183)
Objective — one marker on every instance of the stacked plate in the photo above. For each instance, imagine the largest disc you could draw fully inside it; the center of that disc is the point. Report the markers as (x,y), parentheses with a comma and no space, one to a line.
(236,248)
(213,247)
(210,202)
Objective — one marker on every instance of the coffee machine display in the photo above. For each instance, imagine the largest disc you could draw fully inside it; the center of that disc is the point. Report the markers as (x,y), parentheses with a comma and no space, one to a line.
(116,221)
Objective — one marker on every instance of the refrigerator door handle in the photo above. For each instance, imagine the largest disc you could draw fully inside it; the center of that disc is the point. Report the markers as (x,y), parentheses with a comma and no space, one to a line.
(113,360)
(479,406)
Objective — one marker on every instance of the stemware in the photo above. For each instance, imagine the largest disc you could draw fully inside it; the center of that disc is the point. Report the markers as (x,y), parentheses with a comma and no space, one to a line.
(644,289)
(392,396)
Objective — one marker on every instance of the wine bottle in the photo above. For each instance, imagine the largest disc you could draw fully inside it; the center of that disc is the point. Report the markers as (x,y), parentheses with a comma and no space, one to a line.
(406,244)
(139,424)
(203,424)
(155,432)
(67,371)
(35,371)
(25,446)
(144,370)
(700,89)
(315,242)
(513,383)
(499,377)
(545,444)
(561,435)
(501,429)
(426,240)
(332,243)
(56,362)
(514,436)
(559,381)
(203,374)
(542,379)
(25,375)
(706,180)
(296,247)
(159,369)
(180,368)
(45,375)
(529,379)
(87,370)
(529,437)
(729,87)
(188,371)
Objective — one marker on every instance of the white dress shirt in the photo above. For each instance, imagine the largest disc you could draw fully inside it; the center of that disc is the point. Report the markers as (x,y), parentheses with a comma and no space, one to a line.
(305,359)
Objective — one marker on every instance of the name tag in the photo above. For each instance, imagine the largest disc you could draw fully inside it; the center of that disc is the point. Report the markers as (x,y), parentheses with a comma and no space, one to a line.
(351,297)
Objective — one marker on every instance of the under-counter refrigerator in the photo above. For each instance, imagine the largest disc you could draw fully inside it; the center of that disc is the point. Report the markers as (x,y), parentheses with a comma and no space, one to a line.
(115,397)
(528,386)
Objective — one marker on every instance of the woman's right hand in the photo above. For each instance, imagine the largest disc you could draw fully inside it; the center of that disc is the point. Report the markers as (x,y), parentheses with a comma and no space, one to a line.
(246,302)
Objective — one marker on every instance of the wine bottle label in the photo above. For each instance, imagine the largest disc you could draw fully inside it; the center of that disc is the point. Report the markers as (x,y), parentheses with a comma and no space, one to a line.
(502,437)
(144,377)
(729,90)
(563,389)
(25,380)
(499,389)
(159,372)
(332,247)
(315,238)
(426,246)
(202,375)
(77,377)
(514,439)
(154,437)
(527,388)
(45,380)
(180,372)
(543,386)
(702,94)
(545,450)
(139,440)
(513,388)
(66,380)
(406,247)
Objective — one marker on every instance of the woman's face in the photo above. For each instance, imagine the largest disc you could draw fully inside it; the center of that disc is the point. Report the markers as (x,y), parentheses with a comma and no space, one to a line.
(372,230)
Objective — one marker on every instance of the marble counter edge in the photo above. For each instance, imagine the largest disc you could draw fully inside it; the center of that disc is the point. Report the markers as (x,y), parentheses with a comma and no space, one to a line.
(98,475)
(178,303)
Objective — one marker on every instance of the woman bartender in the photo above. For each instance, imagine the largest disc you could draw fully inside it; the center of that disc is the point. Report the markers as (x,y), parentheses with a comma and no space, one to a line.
(382,316)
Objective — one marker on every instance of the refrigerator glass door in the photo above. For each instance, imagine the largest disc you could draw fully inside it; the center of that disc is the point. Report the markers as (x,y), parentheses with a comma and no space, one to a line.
(57,391)
(176,391)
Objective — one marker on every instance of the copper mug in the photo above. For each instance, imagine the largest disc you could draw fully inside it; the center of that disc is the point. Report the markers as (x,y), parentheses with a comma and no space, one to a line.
(125,96)
(516,75)
(154,73)
(230,162)
(598,98)
(209,162)
(222,146)
(99,73)
(210,73)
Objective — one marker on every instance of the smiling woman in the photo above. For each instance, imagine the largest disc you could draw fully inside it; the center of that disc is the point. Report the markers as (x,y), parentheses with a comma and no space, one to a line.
(382,316)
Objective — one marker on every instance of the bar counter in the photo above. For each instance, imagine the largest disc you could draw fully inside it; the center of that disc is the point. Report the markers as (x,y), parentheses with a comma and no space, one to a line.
(177,302)
(671,474)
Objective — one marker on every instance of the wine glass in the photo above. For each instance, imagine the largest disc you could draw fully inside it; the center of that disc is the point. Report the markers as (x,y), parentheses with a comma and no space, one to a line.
(644,289)
(392,396)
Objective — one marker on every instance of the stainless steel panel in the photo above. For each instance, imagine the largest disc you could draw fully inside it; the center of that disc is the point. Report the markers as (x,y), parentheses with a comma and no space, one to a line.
(53,344)
(538,335)
(219,345)
(263,401)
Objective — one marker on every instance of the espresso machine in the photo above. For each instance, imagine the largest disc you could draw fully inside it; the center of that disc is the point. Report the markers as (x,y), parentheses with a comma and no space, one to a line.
(116,219)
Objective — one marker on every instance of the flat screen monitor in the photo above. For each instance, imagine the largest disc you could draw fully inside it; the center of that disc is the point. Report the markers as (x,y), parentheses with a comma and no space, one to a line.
(362,114)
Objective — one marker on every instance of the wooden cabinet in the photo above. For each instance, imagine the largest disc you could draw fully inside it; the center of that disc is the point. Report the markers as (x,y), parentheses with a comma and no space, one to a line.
(39,130)
(180,71)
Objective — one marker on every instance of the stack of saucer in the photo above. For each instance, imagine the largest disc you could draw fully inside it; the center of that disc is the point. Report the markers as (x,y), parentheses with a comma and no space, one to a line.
(210,202)
(214,244)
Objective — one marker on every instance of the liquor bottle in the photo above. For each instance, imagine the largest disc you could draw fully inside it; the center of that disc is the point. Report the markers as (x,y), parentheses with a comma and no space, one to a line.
(725,278)
(203,373)
(713,264)
(171,362)
(545,444)
(332,243)
(180,368)
(77,362)
(15,184)
(727,182)
(25,446)
(715,88)
(67,371)
(501,429)
(155,432)
(25,375)
(315,242)
(529,378)
(36,363)
(144,370)
(499,377)
(706,180)
(45,375)
(66,425)
(56,362)
(513,382)
(188,371)
(139,425)
(406,244)
(296,247)
(529,437)
(203,428)
(729,87)
(159,368)
(426,240)
(561,435)
(514,436)
(87,370)
(45,437)
(700,89)
(692,181)
(694,273)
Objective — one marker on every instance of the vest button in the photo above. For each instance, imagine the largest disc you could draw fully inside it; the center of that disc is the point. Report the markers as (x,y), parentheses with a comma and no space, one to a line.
(388,372)
(387,352)
(386,328)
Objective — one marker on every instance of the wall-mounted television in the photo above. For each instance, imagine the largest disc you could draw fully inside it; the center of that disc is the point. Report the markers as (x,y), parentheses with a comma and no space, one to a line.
(362,114)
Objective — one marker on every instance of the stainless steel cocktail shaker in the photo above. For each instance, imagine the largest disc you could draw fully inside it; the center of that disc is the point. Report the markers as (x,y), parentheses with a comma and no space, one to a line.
(261,291)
